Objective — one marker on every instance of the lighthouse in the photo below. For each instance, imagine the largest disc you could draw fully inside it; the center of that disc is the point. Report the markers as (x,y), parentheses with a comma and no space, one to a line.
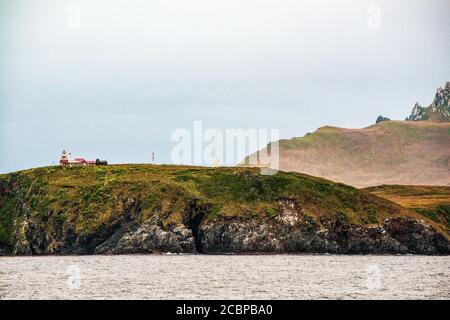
(64,158)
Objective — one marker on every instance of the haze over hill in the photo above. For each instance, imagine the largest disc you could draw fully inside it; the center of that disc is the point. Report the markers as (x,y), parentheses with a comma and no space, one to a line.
(414,152)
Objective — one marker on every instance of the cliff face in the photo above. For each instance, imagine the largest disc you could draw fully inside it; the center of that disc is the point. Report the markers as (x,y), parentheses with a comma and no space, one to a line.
(154,209)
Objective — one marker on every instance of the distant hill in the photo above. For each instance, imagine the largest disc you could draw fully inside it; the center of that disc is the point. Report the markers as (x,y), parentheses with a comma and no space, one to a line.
(390,152)
(415,152)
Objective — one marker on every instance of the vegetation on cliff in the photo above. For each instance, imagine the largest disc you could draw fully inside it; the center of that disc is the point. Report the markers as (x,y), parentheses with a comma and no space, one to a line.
(89,197)
(431,201)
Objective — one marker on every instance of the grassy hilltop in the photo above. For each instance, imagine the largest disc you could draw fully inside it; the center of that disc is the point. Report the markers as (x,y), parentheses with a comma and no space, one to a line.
(89,197)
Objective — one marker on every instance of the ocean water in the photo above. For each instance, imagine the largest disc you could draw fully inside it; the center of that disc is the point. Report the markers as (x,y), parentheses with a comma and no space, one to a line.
(225,277)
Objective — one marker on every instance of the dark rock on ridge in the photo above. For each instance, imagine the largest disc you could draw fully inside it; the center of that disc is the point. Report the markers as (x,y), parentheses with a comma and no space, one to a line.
(381,119)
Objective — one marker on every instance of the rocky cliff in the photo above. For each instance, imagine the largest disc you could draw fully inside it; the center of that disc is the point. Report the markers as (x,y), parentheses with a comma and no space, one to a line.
(381,119)
(154,209)
(438,110)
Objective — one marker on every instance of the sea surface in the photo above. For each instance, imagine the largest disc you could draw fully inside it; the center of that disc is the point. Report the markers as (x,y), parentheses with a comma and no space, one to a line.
(225,277)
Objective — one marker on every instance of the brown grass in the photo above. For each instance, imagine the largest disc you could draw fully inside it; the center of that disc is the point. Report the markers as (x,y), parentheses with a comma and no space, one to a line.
(392,152)
(432,202)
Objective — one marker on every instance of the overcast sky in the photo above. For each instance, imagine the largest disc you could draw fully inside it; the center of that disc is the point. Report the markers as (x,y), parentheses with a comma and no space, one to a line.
(113,79)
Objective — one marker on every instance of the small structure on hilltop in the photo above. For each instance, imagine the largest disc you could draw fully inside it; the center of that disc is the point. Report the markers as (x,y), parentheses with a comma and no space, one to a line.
(64,158)
(79,162)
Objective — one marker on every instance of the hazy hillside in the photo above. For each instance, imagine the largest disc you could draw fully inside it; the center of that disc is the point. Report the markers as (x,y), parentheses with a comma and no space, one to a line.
(390,152)
(411,152)
(148,208)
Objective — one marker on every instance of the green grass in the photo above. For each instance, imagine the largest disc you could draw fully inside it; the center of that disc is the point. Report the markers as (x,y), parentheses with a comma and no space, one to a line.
(90,197)
(6,219)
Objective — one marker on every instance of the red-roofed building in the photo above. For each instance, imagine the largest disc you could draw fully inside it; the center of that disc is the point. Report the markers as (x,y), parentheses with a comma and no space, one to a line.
(78,162)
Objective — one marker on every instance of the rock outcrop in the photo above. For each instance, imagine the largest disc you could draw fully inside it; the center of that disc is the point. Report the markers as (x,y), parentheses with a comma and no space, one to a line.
(381,119)
(151,238)
(418,113)
(439,109)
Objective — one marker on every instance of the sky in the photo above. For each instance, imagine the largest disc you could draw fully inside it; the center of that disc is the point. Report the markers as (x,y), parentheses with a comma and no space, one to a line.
(113,79)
